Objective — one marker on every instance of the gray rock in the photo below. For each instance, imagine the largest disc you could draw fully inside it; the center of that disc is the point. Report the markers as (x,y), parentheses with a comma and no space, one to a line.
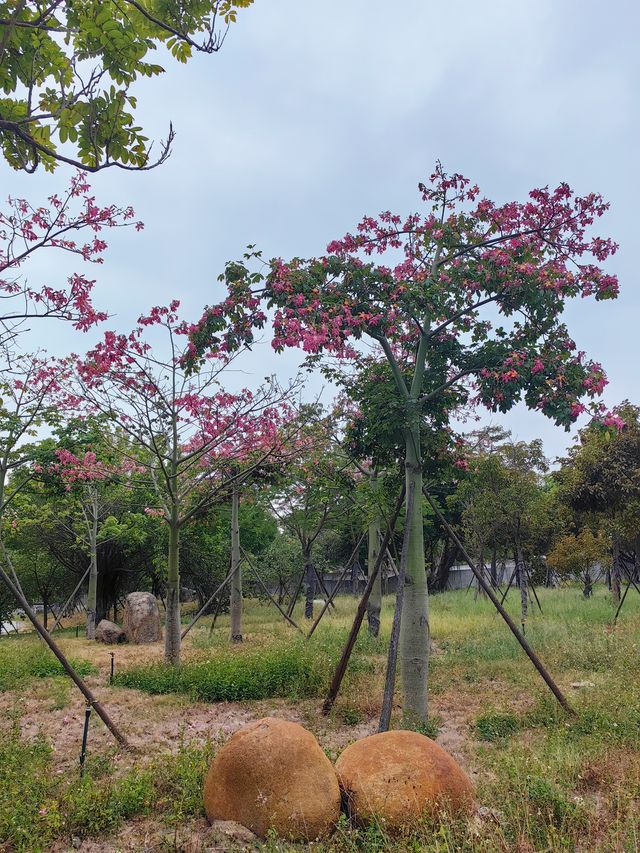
(109,632)
(142,618)
(225,830)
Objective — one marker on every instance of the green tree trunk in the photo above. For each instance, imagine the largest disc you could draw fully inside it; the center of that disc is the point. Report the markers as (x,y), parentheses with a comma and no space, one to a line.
(414,627)
(310,577)
(521,577)
(92,596)
(374,605)
(615,570)
(236,569)
(172,606)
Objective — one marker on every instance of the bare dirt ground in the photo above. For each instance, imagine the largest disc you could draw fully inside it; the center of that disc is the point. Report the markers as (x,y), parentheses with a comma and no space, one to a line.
(159,724)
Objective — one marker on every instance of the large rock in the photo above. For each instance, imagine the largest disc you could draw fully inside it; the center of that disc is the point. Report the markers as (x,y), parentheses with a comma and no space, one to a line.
(142,618)
(272,774)
(397,777)
(109,632)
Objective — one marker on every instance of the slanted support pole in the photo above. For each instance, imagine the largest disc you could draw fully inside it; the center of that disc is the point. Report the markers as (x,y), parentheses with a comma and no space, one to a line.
(329,601)
(533,657)
(341,668)
(206,604)
(69,600)
(55,648)
(265,589)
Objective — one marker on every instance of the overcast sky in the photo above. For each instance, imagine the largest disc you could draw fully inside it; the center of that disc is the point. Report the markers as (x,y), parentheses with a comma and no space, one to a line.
(315,113)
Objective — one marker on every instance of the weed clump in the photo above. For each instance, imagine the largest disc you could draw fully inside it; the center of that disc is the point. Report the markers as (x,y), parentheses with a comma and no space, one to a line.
(494,727)
(20,661)
(293,670)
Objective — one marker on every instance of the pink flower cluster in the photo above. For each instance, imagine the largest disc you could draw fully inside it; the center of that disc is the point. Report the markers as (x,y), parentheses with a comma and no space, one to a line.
(25,229)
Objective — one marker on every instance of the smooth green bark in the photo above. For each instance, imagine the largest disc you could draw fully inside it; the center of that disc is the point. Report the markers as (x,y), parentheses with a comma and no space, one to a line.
(92,596)
(236,569)
(414,627)
(172,614)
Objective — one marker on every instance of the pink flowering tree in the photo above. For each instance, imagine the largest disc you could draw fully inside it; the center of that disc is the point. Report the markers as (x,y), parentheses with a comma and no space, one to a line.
(87,478)
(255,451)
(70,223)
(466,291)
(187,430)
(31,389)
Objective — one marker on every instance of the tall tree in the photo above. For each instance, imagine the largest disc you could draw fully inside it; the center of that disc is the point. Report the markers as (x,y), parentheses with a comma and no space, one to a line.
(600,481)
(179,421)
(431,309)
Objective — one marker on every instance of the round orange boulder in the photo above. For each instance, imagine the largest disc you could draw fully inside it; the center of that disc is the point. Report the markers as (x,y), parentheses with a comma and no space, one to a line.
(272,774)
(397,777)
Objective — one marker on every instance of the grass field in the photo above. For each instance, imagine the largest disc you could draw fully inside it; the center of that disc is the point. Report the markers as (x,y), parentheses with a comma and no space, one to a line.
(545,781)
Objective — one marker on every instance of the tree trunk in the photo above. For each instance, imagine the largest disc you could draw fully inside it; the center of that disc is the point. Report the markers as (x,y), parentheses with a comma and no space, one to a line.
(310,579)
(172,606)
(93,571)
(521,577)
(414,626)
(45,611)
(615,571)
(236,571)
(494,567)
(355,575)
(588,584)
(374,605)
(439,580)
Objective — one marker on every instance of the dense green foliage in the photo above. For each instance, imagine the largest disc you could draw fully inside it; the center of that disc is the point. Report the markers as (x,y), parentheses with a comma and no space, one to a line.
(66,72)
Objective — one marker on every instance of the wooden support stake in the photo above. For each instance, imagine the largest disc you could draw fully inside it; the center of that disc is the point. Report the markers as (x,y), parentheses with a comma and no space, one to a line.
(46,636)
(392,659)
(535,660)
(292,603)
(327,597)
(341,668)
(69,600)
(350,563)
(266,590)
(206,605)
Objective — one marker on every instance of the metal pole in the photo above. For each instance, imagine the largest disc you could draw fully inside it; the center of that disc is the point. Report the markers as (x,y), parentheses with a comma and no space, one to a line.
(85,735)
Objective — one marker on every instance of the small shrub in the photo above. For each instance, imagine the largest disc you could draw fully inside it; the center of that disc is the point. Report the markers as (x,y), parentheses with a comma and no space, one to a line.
(179,781)
(494,727)
(350,716)
(92,807)
(29,819)
(548,800)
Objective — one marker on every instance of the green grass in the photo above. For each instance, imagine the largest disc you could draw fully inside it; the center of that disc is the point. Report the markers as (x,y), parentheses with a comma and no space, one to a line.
(287,668)
(36,807)
(550,782)
(23,658)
